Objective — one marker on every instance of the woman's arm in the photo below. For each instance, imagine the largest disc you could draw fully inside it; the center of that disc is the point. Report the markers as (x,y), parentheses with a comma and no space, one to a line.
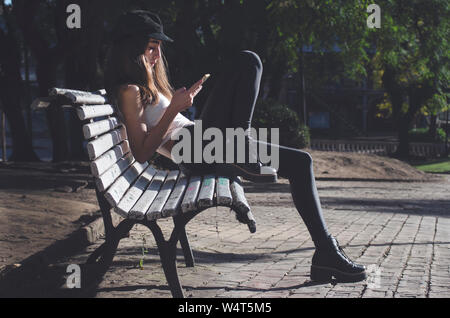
(144,141)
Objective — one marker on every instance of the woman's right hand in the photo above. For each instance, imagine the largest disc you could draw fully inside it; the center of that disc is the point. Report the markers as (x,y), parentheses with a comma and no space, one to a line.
(182,99)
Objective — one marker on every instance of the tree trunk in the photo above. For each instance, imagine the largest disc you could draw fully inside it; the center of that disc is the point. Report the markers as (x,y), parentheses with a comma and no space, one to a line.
(48,57)
(396,94)
(432,131)
(21,141)
(301,91)
(275,84)
(403,137)
(10,94)
(417,95)
(46,75)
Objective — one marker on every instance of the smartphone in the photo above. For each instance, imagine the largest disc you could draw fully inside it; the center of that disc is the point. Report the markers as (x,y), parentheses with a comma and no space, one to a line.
(205,77)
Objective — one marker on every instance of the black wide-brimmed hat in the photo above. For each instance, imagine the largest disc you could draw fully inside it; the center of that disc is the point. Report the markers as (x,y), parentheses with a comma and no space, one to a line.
(139,22)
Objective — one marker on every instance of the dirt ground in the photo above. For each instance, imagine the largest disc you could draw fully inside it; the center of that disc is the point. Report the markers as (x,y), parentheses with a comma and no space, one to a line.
(42,202)
(345,165)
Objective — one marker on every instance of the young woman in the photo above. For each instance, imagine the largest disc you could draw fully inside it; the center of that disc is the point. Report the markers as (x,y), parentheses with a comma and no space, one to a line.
(137,82)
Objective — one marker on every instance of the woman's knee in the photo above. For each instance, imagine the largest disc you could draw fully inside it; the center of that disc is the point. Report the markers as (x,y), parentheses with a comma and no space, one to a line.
(250,58)
(305,157)
(293,161)
(301,158)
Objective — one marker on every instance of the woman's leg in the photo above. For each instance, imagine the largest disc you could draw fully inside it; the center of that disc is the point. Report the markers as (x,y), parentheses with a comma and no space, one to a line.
(231,104)
(297,166)
(232,99)
(329,260)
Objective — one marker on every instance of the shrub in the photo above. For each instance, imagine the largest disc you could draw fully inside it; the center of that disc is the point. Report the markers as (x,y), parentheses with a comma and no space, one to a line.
(423,135)
(271,114)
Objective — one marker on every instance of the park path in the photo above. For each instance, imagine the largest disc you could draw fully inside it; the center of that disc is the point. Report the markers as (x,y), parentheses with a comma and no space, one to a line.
(400,230)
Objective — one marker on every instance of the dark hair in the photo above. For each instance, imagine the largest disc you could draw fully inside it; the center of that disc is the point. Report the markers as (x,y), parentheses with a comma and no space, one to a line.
(126,64)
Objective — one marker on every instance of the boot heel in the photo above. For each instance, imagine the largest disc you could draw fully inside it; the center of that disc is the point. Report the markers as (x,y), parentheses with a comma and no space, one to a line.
(320,274)
(233,170)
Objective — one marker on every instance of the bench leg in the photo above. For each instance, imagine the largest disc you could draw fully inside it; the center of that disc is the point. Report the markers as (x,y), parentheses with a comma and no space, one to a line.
(96,254)
(169,264)
(108,249)
(186,247)
(168,254)
(101,259)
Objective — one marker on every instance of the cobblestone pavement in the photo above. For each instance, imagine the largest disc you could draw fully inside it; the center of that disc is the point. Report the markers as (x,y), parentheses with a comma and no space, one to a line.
(400,230)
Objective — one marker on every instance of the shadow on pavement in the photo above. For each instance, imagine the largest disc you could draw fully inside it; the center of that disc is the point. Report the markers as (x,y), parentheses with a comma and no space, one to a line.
(405,206)
(49,280)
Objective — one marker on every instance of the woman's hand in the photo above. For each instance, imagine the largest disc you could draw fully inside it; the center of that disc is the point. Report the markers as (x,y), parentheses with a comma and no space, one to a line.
(182,99)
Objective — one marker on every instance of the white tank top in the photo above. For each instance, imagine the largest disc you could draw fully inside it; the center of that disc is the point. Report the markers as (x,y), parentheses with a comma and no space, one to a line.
(154,113)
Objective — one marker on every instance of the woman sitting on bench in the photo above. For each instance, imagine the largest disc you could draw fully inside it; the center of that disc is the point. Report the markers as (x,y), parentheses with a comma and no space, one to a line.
(136,81)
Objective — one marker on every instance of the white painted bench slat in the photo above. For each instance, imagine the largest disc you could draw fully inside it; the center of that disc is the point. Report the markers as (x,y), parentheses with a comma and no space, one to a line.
(154,212)
(140,208)
(105,142)
(206,195)
(190,197)
(105,161)
(109,176)
(100,92)
(224,197)
(239,201)
(172,204)
(89,112)
(121,185)
(99,127)
(134,193)
(62,91)
(78,98)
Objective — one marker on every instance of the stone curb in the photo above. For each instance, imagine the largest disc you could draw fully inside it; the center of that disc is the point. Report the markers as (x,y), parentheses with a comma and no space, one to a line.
(95,230)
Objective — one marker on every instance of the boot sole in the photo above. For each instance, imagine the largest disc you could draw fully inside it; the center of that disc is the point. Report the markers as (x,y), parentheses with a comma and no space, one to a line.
(325,274)
(234,170)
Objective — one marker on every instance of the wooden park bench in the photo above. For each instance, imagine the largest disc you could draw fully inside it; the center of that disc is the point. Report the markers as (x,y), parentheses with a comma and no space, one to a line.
(140,193)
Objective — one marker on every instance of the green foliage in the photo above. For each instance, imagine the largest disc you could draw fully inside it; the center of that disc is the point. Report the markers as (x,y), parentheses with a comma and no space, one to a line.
(323,25)
(441,166)
(413,41)
(271,114)
(423,135)
(436,104)
(144,251)
(412,59)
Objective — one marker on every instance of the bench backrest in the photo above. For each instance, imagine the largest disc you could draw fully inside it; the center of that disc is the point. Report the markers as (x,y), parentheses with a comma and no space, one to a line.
(139,190)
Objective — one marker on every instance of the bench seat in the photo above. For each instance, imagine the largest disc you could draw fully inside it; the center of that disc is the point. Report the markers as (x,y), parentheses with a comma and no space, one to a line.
(138,190)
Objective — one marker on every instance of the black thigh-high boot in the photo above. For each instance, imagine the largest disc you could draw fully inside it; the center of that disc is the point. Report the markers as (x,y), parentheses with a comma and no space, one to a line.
(230,105)
(235,90)
(329,260)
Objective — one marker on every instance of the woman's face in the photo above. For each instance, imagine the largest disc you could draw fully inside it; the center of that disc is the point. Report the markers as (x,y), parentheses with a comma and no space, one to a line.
(153,51)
